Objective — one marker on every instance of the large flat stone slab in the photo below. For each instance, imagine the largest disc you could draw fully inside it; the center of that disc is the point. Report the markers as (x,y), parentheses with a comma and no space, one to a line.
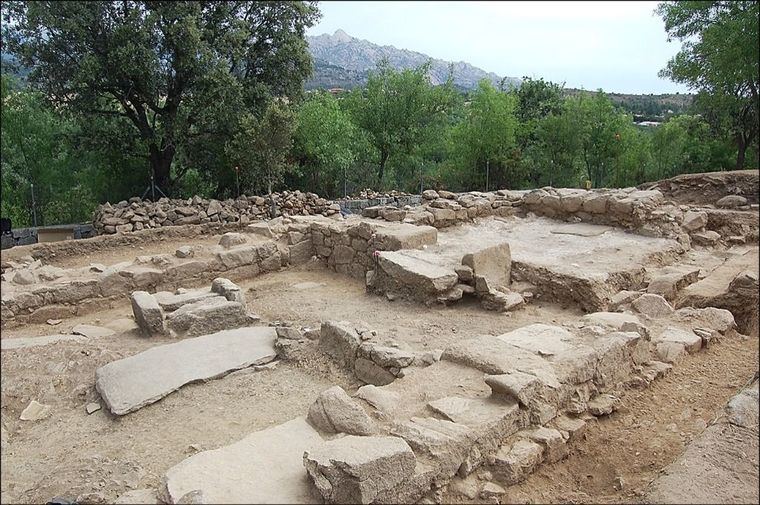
(131,383)
(264,467)
(417,274)
(8,344)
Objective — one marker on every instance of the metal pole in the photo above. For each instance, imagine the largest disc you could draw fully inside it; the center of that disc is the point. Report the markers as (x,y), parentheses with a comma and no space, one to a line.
(34,208)
(152,189)
(345,190)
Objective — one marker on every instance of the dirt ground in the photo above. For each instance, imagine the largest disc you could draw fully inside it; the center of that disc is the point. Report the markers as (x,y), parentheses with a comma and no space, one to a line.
(72,453)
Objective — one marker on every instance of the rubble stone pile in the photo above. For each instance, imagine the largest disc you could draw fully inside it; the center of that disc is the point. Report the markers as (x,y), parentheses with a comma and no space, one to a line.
(137,214)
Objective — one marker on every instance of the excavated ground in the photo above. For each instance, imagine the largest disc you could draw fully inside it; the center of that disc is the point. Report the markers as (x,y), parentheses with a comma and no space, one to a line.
(71,453)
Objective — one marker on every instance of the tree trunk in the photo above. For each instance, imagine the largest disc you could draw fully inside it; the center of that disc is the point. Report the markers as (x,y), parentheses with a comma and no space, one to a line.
(160,165)
(742,144)
(381,169)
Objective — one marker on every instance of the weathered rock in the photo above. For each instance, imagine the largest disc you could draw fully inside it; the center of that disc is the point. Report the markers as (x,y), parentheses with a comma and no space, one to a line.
(92,407)
(518,385)
(184,251)
(446,442)
(339,340)
(288,333)
(90,331)
(513,464)
(231,239)
(148,313)
(228,289)
(430,194)
(24,277)
(385,402)
(690,340)
(694,220)
(371,373)
(360,469)
(552,442)
(708,237)
(209,315)
(264,467)
(138,496)
(35,411)
(612,319)
(654,306)
(128,384)
(464,273)
(417,274)
(573,427)
(731,202)
(8,344)
(493,262)
(602,405)
(668,285)
(335,412)
(171,302)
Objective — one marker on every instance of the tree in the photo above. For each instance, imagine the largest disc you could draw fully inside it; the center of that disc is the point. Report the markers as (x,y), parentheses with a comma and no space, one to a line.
(261,147)
(601,130)
(483,145)
(720,57)
(158,65)
(325,142)
(397,109)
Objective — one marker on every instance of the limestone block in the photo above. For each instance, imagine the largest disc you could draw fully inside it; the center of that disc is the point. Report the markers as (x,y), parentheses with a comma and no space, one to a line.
(149,315)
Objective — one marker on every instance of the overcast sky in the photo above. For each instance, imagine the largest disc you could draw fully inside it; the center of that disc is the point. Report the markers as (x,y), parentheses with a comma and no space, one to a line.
(616,46)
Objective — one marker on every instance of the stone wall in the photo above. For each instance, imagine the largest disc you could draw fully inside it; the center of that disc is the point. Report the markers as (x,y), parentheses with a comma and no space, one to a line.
(347,247)
(56,293)
(136,214)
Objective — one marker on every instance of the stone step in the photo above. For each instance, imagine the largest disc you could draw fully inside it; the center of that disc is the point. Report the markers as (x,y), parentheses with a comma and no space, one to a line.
(264,467)
(131,383)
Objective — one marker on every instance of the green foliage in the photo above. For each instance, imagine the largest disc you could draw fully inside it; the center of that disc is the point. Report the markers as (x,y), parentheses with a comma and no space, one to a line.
(327,143)
(399,111)
(260,148)
(483,145)
(35,151)
(720,57)
(180,75)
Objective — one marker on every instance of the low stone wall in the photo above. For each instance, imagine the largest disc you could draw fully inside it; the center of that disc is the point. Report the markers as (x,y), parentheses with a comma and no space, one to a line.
(347,247)
(64,293)
(136,214)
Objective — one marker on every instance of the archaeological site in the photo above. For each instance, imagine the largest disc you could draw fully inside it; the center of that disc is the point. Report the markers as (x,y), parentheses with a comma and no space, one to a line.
(540,346)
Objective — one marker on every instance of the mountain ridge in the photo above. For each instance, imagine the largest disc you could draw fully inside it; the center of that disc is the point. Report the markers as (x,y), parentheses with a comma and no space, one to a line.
(342,51)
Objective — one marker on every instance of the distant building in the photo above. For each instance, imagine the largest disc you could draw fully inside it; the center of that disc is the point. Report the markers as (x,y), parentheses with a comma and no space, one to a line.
(336,91)
(648,123)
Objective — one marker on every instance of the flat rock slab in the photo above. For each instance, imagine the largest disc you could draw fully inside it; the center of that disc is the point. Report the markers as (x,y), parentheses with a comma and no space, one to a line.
(264,467)
(131,383)
(91,331)
(417,273)
(8,344)
(581,230)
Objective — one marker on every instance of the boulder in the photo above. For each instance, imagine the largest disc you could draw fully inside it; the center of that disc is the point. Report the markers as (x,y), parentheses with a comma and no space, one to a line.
(360,469)
(207,316)
(493,262)
(184,251)
(149,315)
(694,220)
(708,237)
(171,302)
(731,202)
(654,306)
(513,464)
(335,412)
(228,289)
(231,239)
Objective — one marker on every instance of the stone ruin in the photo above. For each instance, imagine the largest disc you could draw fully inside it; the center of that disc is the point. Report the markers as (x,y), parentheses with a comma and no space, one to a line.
(424,421)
